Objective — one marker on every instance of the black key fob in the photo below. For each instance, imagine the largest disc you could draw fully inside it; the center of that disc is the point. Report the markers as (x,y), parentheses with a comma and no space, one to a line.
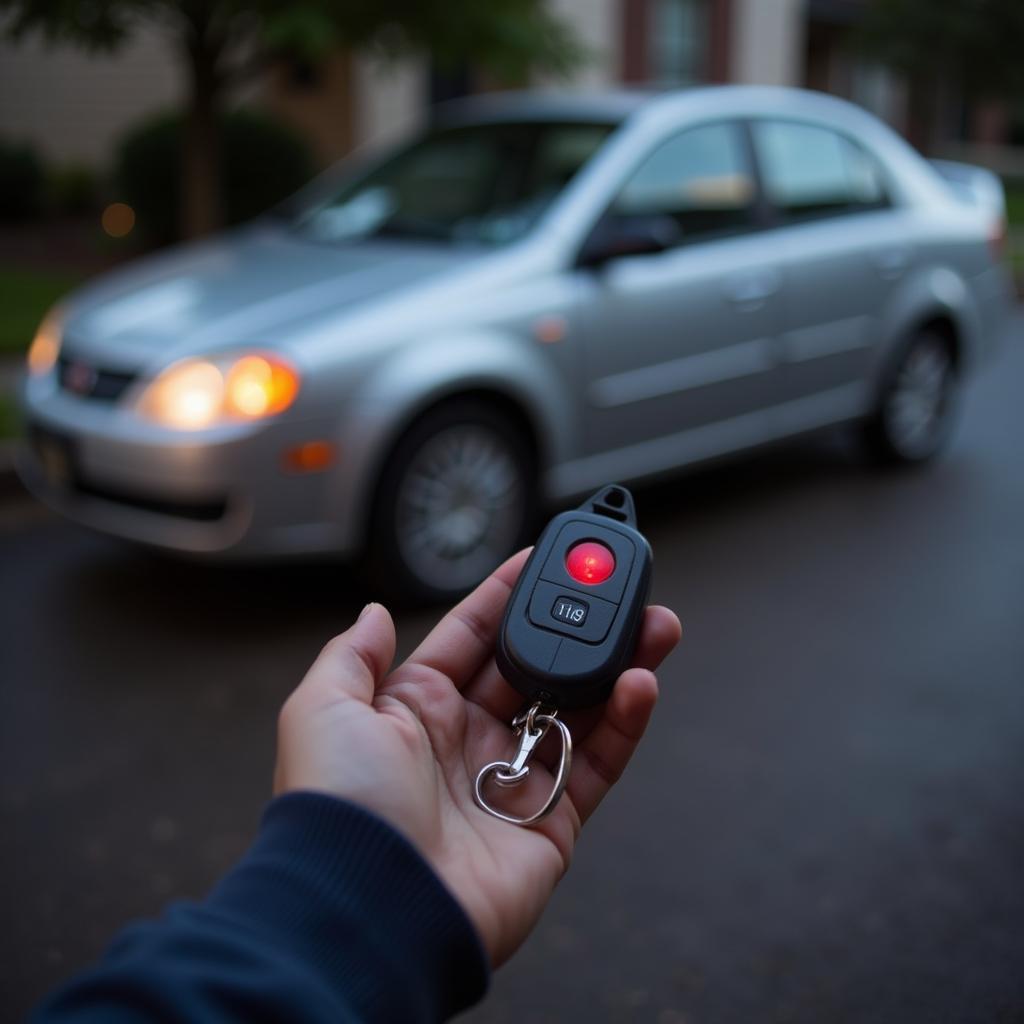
(571,624)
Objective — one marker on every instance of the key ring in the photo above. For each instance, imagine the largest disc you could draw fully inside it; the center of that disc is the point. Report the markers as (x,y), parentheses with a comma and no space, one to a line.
(531,726)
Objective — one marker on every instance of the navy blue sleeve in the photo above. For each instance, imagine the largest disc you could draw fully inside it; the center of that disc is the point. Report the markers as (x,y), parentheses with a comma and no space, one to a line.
(332,915)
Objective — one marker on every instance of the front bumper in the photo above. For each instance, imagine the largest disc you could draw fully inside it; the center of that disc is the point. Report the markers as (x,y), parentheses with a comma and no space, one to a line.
(223,492)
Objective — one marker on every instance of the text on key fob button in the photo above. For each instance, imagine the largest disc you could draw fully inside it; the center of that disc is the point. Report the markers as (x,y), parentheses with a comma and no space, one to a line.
(595,622)
(569,611)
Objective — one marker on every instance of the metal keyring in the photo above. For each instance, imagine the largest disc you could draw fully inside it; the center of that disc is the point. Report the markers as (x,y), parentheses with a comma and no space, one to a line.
(531,727)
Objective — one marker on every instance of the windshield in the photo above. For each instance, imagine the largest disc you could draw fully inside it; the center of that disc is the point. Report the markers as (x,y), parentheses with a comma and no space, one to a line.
(485,184)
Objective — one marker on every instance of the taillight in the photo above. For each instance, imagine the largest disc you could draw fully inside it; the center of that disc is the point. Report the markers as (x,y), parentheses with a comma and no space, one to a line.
(997,239)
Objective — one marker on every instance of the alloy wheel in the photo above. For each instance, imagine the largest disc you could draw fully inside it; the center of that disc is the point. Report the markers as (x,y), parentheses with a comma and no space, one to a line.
(460,506)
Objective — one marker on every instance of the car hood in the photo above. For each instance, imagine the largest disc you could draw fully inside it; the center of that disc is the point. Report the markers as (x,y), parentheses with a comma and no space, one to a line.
(246,288)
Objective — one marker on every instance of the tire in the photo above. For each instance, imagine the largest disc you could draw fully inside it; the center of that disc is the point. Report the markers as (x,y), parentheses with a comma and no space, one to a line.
(456,497)
(918,403)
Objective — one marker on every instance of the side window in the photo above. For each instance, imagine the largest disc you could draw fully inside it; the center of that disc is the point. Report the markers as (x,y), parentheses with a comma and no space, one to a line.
(811,172)
(701,179)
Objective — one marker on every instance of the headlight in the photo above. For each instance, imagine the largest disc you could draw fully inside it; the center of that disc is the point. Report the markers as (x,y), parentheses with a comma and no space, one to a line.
(198,393)
(45,347)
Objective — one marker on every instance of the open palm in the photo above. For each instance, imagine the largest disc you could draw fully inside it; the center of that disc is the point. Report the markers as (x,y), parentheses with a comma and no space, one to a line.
(407,745)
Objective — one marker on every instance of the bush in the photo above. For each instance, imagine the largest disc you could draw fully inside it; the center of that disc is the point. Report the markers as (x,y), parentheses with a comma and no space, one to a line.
(21,182)
(72,189)
(263,163)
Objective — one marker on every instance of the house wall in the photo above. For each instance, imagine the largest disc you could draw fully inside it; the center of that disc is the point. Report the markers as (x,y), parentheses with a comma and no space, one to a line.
(767,45)
(389,98)
(73,106)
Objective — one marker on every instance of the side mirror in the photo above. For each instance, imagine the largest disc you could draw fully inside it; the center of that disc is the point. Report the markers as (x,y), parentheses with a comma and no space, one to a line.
(616,236)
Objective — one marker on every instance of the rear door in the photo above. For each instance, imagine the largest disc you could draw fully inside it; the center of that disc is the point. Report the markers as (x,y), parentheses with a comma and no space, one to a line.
(843,246)
(681,339)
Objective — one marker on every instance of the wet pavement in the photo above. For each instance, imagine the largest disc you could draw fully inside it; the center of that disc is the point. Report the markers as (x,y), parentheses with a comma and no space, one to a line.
(826,822)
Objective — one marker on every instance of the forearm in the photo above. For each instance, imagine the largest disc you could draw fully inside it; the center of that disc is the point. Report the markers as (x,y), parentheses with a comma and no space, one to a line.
(330,916)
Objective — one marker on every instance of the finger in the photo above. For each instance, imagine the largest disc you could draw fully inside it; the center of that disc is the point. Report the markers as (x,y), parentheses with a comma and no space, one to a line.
(355,662)
(462,641)
(600,759)
(659,633)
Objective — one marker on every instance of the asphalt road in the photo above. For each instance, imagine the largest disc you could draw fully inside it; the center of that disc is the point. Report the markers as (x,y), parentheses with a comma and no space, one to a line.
(826,823)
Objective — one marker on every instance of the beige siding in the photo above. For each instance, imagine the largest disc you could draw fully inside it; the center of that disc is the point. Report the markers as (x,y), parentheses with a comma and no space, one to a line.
(596,24)
(768,41)
(390,98)
(74,105)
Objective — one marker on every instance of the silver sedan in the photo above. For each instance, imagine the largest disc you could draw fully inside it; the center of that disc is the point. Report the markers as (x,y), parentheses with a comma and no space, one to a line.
(537,295)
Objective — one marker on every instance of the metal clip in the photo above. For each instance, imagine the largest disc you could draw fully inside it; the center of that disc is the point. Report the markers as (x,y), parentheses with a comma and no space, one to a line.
(531,726)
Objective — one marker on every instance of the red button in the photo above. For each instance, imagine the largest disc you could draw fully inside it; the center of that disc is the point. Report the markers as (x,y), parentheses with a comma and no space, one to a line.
(590,563)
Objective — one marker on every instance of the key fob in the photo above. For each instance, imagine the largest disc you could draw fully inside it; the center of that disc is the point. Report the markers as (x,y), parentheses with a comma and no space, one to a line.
(571,624)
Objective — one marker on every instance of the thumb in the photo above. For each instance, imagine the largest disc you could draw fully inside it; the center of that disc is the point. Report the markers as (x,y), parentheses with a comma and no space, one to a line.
(355,662)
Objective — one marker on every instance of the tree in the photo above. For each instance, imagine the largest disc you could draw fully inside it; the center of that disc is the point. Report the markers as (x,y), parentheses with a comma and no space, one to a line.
(222,43)
(975,43)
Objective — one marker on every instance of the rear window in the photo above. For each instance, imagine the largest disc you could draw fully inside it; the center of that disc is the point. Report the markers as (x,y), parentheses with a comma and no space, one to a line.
(811,172)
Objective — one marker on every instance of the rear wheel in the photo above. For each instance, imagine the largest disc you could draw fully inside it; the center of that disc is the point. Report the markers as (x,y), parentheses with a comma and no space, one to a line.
(917,408)
(455,499)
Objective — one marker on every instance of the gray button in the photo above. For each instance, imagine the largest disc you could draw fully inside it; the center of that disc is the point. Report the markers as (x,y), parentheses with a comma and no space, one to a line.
(592,628)
(565,609)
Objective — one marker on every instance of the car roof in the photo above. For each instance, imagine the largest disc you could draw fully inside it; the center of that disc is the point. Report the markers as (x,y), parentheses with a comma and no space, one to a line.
(602,107)
(613,106)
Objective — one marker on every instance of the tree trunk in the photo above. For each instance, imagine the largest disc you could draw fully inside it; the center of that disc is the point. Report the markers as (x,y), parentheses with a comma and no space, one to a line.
(202,207)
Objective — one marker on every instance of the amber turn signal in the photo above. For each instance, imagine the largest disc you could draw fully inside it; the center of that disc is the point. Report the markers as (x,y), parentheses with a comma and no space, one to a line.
(311,457)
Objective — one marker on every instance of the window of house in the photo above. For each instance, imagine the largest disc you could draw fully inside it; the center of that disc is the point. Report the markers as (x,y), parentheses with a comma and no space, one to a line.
(679,41)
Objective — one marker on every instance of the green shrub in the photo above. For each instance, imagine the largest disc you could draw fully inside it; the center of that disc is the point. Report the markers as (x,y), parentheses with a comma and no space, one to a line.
(21,182)
(147,172)
(72,189)
(263,162)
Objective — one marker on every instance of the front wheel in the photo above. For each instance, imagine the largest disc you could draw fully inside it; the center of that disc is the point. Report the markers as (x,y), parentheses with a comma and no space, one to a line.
(456,498)
(918,404)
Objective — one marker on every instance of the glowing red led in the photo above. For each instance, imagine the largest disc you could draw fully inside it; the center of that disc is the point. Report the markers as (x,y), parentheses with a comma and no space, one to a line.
(590,562)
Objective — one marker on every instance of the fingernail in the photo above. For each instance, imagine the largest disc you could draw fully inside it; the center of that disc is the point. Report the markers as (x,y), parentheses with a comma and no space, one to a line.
(365,612)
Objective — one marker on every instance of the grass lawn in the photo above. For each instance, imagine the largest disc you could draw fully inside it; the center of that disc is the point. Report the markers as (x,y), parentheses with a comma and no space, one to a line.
(1015,220)
(1015,203)
(25,295)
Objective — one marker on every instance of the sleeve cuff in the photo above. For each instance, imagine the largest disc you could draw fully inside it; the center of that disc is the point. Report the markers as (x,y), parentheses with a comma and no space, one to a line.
(333,885)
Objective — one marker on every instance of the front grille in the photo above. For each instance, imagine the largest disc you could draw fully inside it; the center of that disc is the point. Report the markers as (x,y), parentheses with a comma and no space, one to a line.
(81,378)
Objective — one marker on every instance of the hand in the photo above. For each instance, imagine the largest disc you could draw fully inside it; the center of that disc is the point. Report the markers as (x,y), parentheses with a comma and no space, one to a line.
(408,746)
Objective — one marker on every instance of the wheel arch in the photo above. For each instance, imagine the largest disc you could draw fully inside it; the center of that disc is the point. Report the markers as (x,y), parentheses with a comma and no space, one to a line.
(525,379)
(938,321)
(943,324)
(935,299)
(506,400)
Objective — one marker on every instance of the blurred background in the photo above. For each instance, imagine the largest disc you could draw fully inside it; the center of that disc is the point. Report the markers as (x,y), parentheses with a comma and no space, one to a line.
(825,824)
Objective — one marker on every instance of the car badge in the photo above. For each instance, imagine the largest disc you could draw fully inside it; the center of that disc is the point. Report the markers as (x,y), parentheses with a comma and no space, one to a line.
(80,378)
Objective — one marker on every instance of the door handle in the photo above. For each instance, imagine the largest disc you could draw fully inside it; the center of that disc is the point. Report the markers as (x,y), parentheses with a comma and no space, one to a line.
(749,292)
